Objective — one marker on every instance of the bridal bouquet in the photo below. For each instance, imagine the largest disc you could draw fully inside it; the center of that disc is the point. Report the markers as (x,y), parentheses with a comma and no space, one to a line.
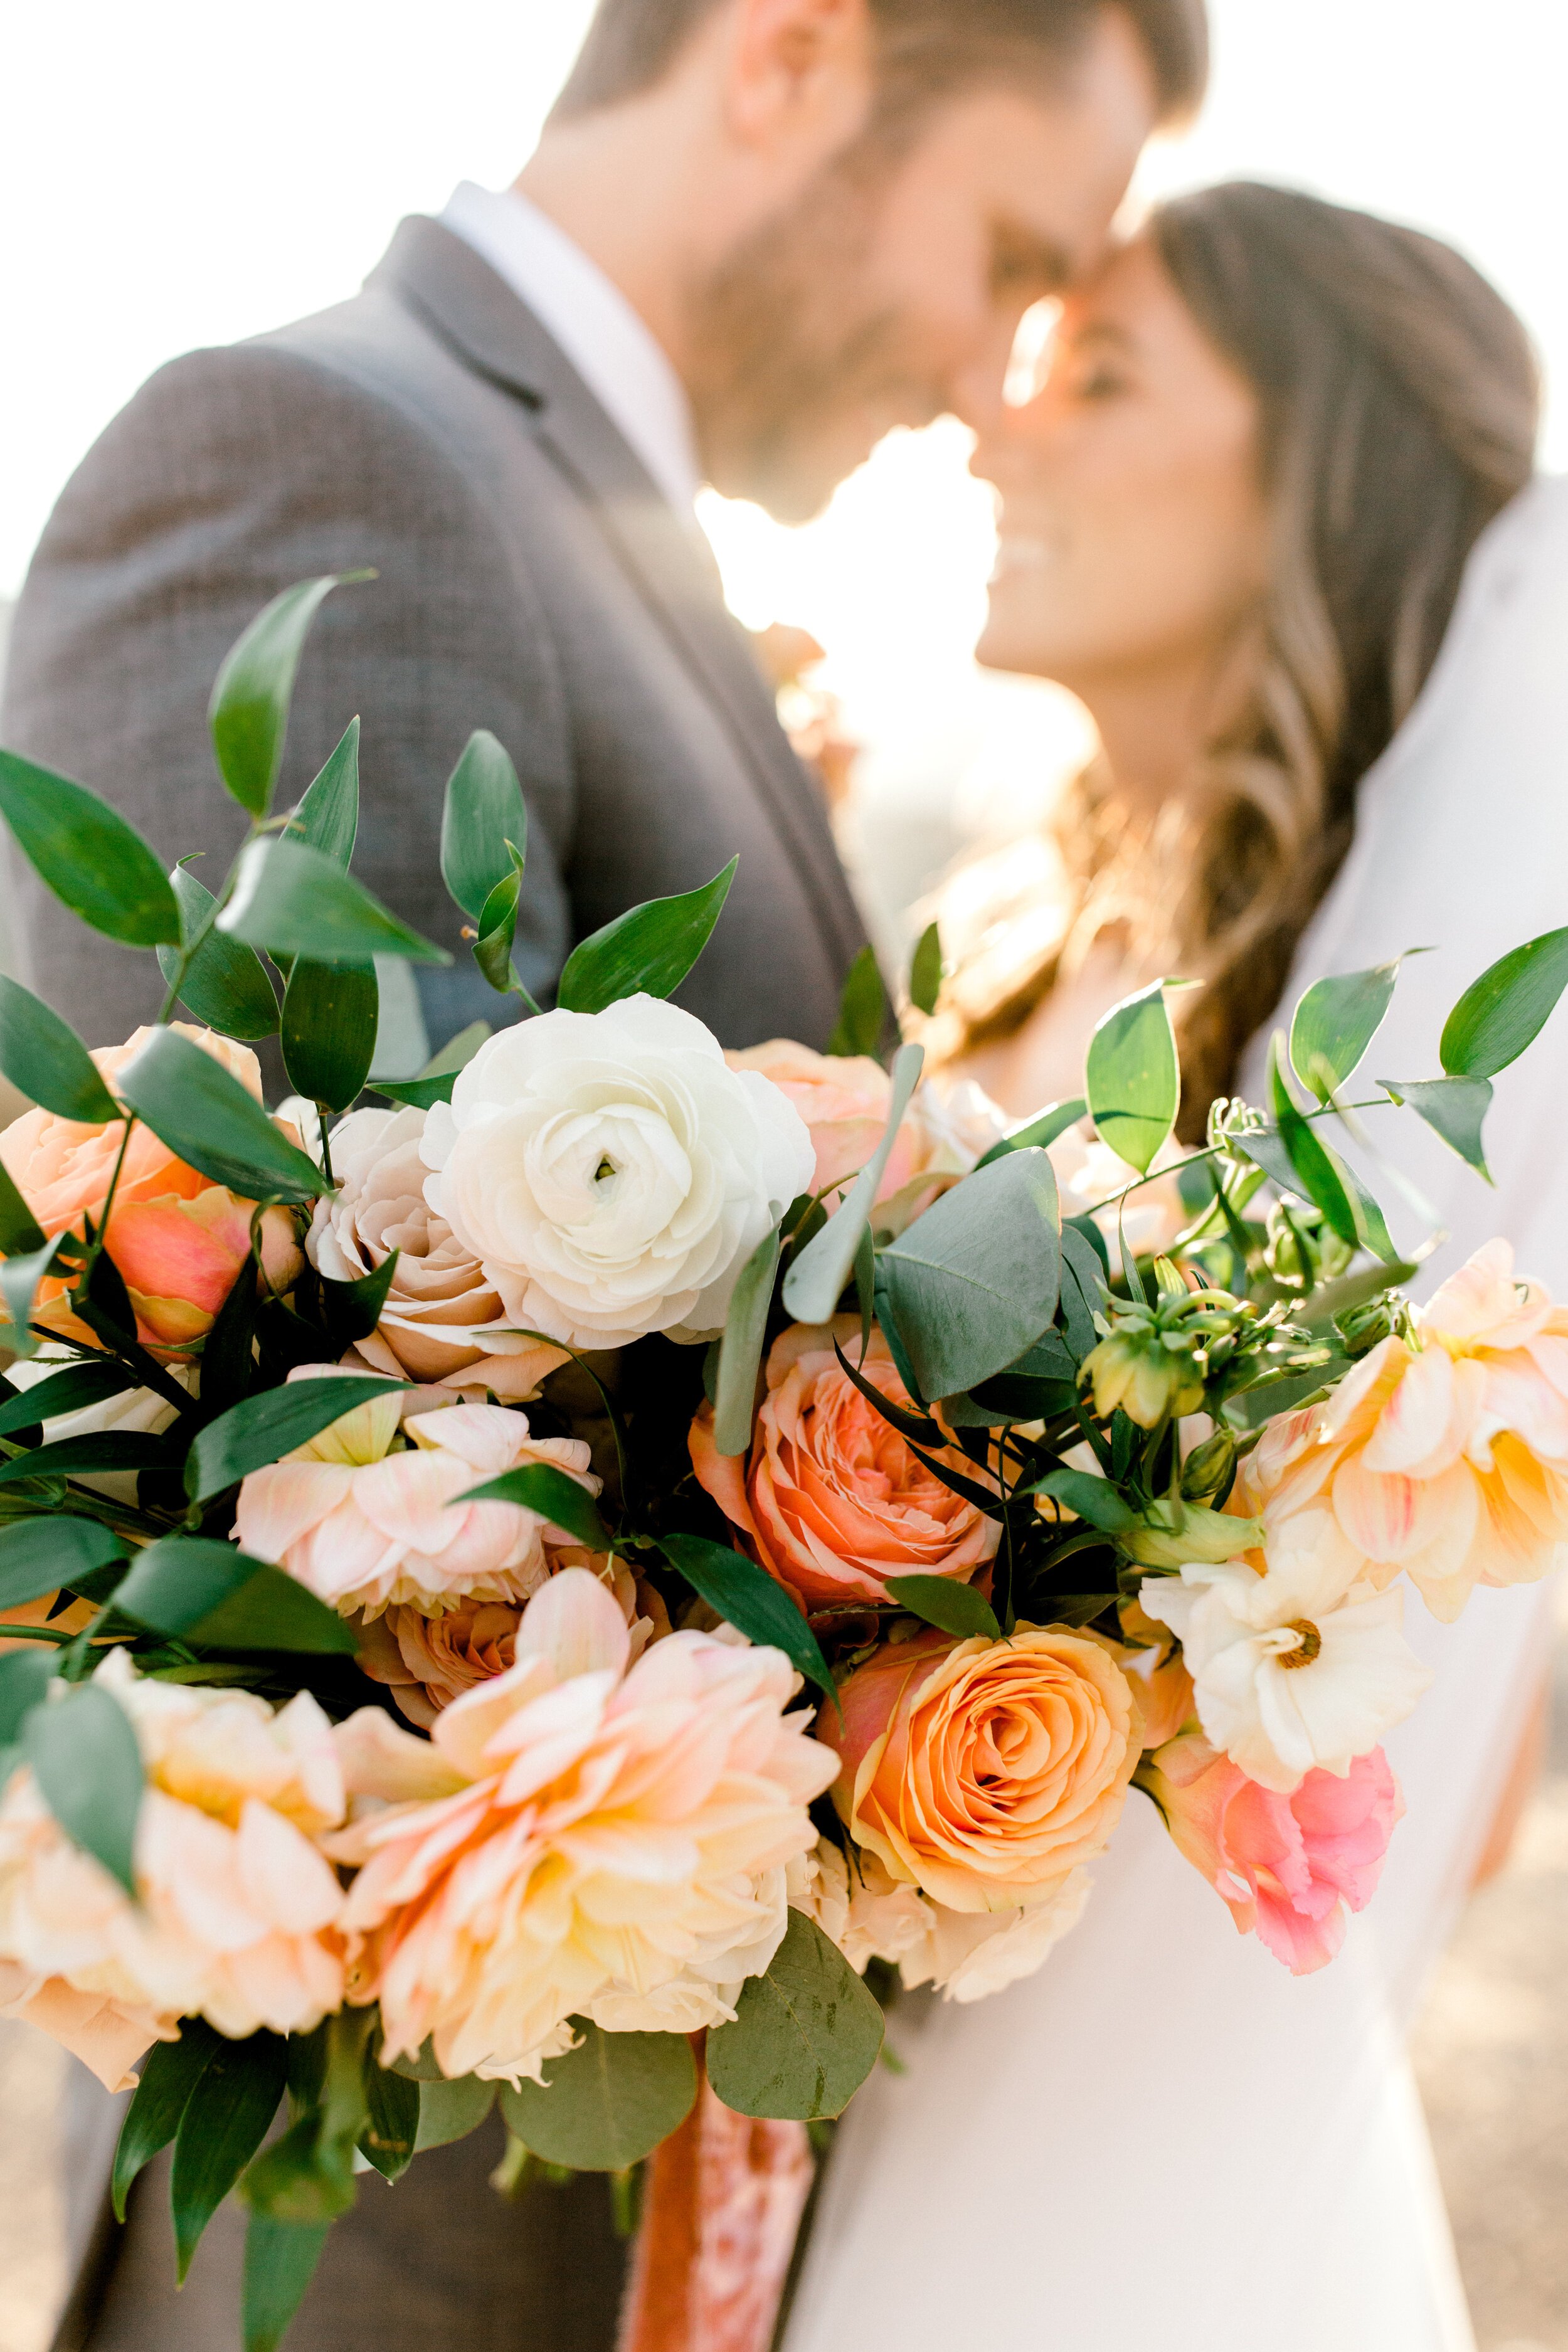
(557,1589)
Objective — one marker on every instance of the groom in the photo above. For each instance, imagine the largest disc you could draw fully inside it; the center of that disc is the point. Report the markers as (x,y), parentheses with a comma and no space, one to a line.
(757,233)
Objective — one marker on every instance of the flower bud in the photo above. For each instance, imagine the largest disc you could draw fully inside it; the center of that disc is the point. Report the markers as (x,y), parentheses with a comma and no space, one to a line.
(1138,1370)
(1206,1469)
(1182,1535)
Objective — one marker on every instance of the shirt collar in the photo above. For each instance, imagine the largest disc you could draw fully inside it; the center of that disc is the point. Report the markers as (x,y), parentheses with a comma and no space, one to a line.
(609,344)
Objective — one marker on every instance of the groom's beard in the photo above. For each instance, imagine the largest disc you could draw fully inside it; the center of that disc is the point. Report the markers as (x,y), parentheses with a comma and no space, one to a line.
(797,373)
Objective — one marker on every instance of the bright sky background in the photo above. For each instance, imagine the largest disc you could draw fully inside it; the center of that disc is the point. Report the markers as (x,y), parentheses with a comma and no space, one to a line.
(178,172)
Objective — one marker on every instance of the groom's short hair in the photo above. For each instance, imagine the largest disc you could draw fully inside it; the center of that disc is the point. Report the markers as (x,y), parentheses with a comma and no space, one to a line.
(929,49)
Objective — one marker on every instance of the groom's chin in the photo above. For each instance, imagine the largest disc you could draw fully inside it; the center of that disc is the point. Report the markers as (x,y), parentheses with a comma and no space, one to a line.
(792,479)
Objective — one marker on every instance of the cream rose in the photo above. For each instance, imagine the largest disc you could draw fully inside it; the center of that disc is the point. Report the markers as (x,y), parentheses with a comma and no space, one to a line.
(610,1173)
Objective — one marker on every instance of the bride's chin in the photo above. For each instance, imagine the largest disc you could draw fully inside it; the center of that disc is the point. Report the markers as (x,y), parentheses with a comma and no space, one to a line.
(1013,639)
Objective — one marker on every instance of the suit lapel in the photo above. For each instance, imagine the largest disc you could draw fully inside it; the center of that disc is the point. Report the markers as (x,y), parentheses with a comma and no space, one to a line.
(474,311)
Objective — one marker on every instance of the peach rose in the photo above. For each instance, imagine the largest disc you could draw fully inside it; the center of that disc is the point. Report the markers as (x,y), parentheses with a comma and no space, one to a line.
(833,1501)
(442,1322)
(237,1910)
(595,1839)
(367,1528)
(983,1772)
(178,1240)
(1286,1865)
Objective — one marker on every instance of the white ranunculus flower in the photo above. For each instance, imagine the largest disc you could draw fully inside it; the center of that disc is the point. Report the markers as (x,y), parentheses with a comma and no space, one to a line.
(1292,1670)
(611,1173)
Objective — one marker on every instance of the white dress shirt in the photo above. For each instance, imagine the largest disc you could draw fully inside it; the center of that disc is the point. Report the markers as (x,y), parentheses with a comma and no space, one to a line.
(609,343)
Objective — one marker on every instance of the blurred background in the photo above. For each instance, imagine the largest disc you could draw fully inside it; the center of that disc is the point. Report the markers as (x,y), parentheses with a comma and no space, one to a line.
(178,174)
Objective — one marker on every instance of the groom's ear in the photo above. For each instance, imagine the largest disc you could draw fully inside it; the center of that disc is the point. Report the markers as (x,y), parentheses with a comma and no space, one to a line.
(799,73)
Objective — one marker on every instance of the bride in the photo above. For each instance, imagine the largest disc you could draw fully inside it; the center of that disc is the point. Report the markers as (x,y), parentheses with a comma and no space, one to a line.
(1270,515)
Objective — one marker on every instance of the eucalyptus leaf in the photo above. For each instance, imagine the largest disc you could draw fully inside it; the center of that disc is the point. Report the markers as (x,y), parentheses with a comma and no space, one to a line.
(556,1496)
(231,2106)
(280,2259)
(976,1280)
(746,1597)
(292,900)
(741,1349)
(1505,1011)
(1037,1132)
(450,2111)
(926,971)
(646,952)
(43,1057)
(1455,1108)
(1134,1080)
(1335,1022)
(84,852)
(249,711)
(39,1556)
(329,1030)
(819,1273)
(210,1121)
(607,2103)
(483,810)
(88,1767)
(804,2037)
(940,1601)
(862,1010)
(225,984)
(262,1429)
(328,817)
(25,1678)
(170,2073)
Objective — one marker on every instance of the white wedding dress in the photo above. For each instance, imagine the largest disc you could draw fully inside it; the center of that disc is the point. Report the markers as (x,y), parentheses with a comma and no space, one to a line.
(1163,2143)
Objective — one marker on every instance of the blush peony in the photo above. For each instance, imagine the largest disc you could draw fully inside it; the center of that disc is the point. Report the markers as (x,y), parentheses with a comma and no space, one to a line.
(366,1528)
(610,1173)
(983,1772)
(596,1839)
(178,1240)
(443,1321)
(237,1912)
(1286,1865)
(833,1501)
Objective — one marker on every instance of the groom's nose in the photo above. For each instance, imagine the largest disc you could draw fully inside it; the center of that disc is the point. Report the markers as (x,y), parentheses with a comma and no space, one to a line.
(975,389)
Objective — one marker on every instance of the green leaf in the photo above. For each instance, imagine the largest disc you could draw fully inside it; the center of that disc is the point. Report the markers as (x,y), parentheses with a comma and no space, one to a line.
(225,986)
(270,1612)
(84,852)
(248,712)
(1506,1010)
(746,1597)
(1318,1173)
(88,1767)
(292,900)
(646,952)
(975,1281)
(211,1122)
(862,1009)
(450,2111)
(805,2036)
(419,1093)
(819,1273)
(1455,1108)
(483,810)
(540,1486)
(391,2121)
(606,2104)
(44,1057)
(353,1309)
(280,2259)
(262,1429)
(926,971)
(61,1393)
(20,1233)
(170,2073)
(459,1051)
(328,817)
(1133,1082)
(25,1676)
(225,2119)
(1037,1132)
(19,1279)
(106,1450)
(1094,1500)
(199,1590)
(497,922)
(329,1030)
(1334,1024)
(956,1608)
(741,1349)
(39,1556)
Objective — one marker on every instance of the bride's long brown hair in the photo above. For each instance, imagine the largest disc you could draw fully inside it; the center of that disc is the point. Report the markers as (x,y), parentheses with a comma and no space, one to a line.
(1398,399)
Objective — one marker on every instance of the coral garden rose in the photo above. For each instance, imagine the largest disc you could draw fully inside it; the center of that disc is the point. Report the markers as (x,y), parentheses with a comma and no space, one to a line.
(237,1911)
(1286,1865)
(368,1527)
(610,1173)
(443,1321)
(844,1100)
(584,1836)
(832,1500)
(178,1240)
(983,1772)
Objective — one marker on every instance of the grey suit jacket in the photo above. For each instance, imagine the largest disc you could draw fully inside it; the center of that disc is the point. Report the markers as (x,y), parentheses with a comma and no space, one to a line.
(531,579)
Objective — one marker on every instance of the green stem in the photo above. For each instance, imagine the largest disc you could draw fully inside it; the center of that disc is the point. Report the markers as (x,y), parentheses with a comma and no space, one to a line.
(321,1117)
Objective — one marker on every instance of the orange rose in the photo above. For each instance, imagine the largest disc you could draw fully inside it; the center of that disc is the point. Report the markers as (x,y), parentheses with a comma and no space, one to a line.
(833,1501)
(178,1239)
(983,1772)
